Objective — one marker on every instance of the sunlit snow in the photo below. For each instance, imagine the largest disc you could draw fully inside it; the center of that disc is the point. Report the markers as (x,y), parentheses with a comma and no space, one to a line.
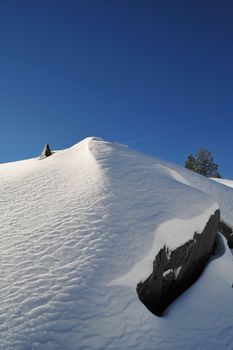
(74,224)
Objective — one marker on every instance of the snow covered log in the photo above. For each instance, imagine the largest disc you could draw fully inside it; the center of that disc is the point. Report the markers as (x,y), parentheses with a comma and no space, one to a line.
(175,271)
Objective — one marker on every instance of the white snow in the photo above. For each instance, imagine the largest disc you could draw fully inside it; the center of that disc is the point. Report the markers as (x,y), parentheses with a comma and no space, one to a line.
(167,272)
(224,182)
(177,271)
(74,224)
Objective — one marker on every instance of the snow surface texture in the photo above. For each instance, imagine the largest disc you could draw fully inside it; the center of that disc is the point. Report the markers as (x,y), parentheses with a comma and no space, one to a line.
(74,226)
(224,182)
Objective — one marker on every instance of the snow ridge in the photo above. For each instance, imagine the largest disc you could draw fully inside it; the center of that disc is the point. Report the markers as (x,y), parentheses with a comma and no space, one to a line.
(72,223)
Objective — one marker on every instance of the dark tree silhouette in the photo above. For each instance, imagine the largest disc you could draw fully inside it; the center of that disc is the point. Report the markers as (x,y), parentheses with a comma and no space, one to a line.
(191,163)
(202,163)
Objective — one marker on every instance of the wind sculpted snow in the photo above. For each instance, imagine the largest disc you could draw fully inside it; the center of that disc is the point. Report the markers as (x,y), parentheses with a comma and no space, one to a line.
(73,223)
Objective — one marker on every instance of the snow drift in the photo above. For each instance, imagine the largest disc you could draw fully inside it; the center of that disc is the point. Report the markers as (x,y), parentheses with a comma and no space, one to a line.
(80,229)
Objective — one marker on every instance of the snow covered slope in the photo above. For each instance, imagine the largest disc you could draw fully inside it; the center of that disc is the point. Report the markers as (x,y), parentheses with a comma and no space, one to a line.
(224,182)
(80,229)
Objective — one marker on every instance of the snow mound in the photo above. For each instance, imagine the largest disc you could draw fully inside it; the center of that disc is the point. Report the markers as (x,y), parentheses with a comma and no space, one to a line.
(73,223)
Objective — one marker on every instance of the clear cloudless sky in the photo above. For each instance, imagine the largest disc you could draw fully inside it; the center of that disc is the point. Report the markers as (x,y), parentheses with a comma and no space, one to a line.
(157,75)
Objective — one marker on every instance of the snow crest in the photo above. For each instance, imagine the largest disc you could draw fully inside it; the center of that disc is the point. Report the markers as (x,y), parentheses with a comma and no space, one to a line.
(72,223)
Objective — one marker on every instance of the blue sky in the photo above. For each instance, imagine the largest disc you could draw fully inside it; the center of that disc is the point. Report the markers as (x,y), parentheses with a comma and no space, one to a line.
(155,74)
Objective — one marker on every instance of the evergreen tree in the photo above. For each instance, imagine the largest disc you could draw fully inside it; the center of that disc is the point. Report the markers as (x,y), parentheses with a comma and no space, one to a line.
(205,163)
(191,163)
(202,163)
